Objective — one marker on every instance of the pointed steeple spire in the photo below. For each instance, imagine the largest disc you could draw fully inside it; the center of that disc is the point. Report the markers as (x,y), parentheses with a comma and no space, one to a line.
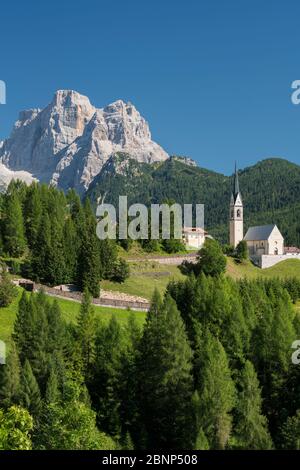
(236,186)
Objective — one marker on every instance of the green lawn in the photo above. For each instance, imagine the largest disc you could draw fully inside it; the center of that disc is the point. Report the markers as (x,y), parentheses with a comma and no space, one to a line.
(145,276)
(70,310)
(287,268)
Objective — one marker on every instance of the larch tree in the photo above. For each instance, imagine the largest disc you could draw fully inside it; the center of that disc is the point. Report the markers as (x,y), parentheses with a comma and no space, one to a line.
(251,430)
(165,383)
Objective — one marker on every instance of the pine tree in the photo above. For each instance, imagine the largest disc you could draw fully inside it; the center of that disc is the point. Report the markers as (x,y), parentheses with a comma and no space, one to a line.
(41,251)
(30,395)
(71,244)
(13,228)
(32,214)
(56,328)
(165,380)
(23,327)
(201,440)
(86,331)
(31,334)
(251,429)
(56,270)
(105,386)
(216,389)
(272,339)
(128,410)
(70,424)
(290,433)
(52,394)
(89,260)
(10,379)
(108,257)
(8,290)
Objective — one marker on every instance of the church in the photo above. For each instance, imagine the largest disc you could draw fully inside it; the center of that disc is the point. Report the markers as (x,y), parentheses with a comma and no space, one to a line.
(265,242)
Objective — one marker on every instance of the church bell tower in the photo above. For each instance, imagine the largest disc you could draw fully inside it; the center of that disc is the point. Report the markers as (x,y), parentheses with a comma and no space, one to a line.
(236,228)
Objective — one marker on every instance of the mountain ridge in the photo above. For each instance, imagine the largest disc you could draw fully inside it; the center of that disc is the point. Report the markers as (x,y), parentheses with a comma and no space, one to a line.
(67,142)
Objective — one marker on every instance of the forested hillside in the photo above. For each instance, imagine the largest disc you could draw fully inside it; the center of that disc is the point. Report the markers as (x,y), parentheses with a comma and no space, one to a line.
(270,191)
(51,238)
(211,369)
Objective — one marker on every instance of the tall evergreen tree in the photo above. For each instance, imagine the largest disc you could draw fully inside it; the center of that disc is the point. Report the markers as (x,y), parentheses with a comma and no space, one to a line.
(105,386)
(33,210)
(215,387)
(89,261)
(13,226)
(10,379)
(86,332)
(251,428)
(30,395)
(165,379)
(290,433)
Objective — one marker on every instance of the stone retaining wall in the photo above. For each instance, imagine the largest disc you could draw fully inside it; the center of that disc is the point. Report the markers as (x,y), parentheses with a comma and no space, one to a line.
(77,296)
(266,261)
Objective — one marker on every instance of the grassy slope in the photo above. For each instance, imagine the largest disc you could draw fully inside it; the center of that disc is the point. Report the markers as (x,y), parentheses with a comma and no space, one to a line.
(144,278)
(70,310)
(288,268)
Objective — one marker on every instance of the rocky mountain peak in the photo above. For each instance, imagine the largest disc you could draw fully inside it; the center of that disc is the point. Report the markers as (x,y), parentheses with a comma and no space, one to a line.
(68,142)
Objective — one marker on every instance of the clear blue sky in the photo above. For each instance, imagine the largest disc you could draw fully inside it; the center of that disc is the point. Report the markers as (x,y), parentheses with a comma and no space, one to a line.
(211,77)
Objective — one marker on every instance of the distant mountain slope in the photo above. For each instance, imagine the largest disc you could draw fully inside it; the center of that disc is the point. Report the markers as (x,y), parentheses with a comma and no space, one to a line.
(270,191)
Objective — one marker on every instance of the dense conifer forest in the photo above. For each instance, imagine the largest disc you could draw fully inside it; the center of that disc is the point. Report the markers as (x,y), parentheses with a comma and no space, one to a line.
(211,368)
(51,238)
(270,191)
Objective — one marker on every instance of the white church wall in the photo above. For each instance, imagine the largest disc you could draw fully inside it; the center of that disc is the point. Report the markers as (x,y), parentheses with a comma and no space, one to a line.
(276,243)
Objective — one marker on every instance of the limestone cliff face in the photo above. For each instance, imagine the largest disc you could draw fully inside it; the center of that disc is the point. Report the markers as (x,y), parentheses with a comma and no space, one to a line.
(68,142)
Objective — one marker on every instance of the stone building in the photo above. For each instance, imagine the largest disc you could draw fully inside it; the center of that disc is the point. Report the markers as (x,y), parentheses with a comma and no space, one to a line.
(264,240)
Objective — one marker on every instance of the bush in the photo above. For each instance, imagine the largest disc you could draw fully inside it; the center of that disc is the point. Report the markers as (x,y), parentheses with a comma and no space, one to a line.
(120,271)
(173,245)
(150,245)
(241,251)
(211,260)
(228,250)
(186,267)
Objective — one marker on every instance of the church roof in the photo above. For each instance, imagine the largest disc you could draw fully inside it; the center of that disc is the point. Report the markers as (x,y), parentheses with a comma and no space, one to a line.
(260,232)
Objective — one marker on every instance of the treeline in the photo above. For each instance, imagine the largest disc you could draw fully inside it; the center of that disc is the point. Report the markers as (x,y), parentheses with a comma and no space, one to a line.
(211,369)
(52,237)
